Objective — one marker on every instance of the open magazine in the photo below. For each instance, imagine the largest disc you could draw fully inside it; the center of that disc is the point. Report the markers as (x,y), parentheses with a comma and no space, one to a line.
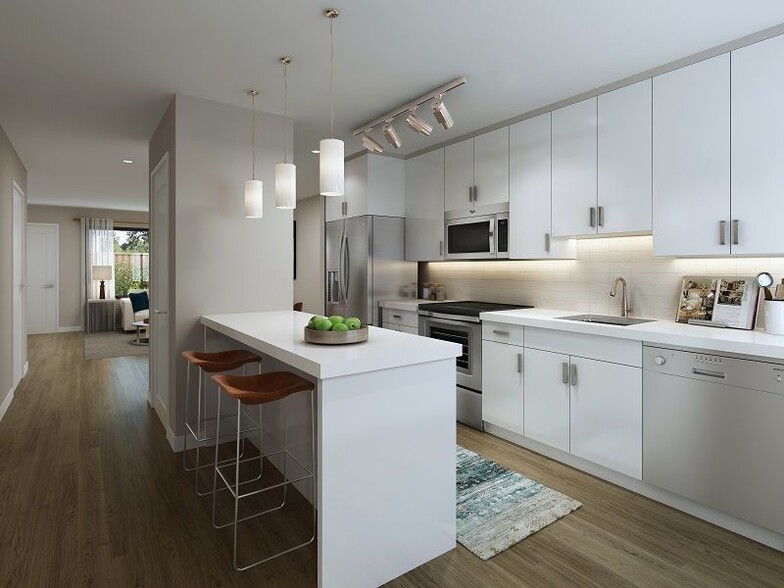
(720,302)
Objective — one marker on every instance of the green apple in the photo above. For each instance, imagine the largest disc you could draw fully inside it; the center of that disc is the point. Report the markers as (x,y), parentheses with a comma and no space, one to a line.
(339,327)
(323,324)
(353,323)
(313,319)
(336,319)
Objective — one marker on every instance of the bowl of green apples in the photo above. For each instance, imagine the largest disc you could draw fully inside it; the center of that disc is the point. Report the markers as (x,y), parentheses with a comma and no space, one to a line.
(335,330)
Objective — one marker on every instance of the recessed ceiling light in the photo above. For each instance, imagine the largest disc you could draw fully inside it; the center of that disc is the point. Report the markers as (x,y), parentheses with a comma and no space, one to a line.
(127,160)
(315,151)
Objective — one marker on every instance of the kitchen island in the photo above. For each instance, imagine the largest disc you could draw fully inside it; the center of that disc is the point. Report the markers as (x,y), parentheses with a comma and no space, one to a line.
(385,443)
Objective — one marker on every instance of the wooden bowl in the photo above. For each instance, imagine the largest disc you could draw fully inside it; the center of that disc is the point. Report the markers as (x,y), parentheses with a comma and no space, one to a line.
(336,337)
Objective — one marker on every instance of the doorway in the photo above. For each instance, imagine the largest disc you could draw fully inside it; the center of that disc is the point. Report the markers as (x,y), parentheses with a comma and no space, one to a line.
(18,284)
(42,292)
(159,290)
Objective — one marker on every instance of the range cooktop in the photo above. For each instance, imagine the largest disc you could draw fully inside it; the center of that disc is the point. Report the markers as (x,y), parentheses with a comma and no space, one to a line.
(468,307)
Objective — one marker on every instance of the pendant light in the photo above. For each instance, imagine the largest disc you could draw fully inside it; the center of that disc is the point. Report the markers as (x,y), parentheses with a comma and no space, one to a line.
(331,166)
(285,173)
(254,189)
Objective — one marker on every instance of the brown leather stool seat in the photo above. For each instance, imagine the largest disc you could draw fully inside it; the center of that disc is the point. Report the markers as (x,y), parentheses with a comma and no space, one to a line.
(221,361)
(261,388)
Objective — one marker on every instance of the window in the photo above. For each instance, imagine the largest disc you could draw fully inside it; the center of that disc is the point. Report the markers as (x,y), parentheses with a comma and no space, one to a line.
(131,260)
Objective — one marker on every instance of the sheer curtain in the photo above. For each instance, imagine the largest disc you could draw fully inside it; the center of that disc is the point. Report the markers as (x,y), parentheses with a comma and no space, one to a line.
(97,249)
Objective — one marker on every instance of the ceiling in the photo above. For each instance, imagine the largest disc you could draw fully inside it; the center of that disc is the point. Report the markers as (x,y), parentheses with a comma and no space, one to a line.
(85,82)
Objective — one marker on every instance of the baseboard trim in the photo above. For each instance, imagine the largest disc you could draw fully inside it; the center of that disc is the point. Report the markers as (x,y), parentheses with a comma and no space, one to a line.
(25,369)
(73,329)
(177,443)
(6,403)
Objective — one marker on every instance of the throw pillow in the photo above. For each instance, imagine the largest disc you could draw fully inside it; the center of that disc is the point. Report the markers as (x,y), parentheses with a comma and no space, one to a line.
(139,301)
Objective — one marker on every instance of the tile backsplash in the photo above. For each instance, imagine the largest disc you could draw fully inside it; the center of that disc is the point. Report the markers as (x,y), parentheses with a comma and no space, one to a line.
(583,284)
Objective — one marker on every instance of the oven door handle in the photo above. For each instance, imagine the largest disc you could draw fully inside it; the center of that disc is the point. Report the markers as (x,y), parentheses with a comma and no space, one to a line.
(448,318)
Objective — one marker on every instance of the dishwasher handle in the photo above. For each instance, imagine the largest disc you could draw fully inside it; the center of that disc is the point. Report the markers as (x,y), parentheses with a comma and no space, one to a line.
(711,373)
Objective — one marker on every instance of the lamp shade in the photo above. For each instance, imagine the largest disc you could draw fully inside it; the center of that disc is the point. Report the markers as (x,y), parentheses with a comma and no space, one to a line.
(286,185)
(102,272)
(254,199)
(331,168)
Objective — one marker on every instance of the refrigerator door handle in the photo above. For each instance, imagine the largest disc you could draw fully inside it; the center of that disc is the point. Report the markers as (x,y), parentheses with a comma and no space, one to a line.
(348,266)
(340,266)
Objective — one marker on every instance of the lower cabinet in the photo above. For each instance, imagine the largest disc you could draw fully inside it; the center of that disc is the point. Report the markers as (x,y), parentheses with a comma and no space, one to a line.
(546,406)
(502,385)
(605,416)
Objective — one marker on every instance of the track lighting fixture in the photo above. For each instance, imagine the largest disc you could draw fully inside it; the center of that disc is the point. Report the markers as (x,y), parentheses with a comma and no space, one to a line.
(417,124)
(442,115)
(414,122)
(390,134)
(371,144)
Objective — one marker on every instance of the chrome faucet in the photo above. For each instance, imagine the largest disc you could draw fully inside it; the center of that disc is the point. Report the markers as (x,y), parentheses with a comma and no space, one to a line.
(626,308)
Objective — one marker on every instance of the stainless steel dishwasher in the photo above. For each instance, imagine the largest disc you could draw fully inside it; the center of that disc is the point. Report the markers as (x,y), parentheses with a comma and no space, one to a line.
(713,431)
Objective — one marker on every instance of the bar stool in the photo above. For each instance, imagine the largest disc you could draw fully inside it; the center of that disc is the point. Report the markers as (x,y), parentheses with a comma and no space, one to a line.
(258,390)
(210,363)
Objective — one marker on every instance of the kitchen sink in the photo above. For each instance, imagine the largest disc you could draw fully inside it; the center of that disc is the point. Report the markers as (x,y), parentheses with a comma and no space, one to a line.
(622,321)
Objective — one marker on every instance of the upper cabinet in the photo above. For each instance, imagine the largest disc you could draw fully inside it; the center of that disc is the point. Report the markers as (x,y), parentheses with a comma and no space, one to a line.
(625,128)
(757,123)
(691,154)
(375,185)
(476,174)
(574,169)
(530,205)
(425,207)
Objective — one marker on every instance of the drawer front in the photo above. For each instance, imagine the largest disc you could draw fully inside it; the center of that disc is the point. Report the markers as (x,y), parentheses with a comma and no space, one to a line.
(502,333)
(623,351)
(408,318)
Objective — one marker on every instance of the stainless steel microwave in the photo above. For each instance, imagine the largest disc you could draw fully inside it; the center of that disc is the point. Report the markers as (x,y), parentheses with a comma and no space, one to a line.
(478,237)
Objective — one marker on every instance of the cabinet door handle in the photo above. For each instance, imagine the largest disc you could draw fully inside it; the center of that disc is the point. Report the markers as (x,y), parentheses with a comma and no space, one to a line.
(470,193)
(547,242)
(519,363)
(397,316)
(441,248)
(593,216)
(601,216)
(504,333)
(722,232)
(736,232)
(573,379)
(476,193)
(565,372)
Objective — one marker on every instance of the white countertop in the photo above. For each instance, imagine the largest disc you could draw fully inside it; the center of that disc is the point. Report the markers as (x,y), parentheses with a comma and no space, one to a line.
(280,335)
(662,332)
(404,304)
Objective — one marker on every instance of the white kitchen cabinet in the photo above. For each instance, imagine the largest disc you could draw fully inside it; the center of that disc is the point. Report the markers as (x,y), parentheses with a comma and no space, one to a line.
(476,174)
(757,123)
(546,401)
(530,195)
(625,173)
(459,176)
(425,207)
(502,385)
(606,414)
(691,159)
(375,185)
(574,169)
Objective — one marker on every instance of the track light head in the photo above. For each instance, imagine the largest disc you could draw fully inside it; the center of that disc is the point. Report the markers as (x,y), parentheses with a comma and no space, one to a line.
(442,115)
(417,124)
(371,144)
(390,134)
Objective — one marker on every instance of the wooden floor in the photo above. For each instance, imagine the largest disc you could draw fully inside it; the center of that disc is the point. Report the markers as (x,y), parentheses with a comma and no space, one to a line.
(91,495)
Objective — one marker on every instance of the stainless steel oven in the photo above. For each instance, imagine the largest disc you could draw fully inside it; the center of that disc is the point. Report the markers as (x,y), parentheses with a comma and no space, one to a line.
(478,237)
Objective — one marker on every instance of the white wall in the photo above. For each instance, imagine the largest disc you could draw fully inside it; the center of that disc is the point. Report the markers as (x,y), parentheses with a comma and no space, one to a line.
(223,262)
(309,283)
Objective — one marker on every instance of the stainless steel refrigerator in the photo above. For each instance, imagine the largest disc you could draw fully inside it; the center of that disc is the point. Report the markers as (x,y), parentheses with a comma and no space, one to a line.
(365,264)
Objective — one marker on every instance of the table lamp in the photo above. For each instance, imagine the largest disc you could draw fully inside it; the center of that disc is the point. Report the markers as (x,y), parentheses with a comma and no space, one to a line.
(103,273)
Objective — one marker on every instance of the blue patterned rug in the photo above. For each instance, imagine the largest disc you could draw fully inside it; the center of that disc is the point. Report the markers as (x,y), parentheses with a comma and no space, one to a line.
(497,507)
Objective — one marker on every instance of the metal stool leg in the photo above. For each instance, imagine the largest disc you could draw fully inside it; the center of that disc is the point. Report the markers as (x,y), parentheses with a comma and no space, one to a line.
(215,466)
(185,420)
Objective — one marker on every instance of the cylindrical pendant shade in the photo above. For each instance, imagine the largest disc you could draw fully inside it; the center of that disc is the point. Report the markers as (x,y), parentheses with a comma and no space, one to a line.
(286,185)
(254,199)
(331,168)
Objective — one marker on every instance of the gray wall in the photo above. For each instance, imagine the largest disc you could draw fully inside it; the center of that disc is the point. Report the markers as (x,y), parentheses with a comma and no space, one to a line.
(70,294)
(11,170)
(309,284)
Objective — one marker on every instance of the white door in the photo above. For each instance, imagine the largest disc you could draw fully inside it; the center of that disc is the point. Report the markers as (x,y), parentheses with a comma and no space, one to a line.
(41,298)
(491,168)
(574,169)
(546,400)
(625,128)
(459,176)
(18,285)
(691,159)
(502,385)
(606,415)
(159,289)
(425,207)
(530,194)
(757,203)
